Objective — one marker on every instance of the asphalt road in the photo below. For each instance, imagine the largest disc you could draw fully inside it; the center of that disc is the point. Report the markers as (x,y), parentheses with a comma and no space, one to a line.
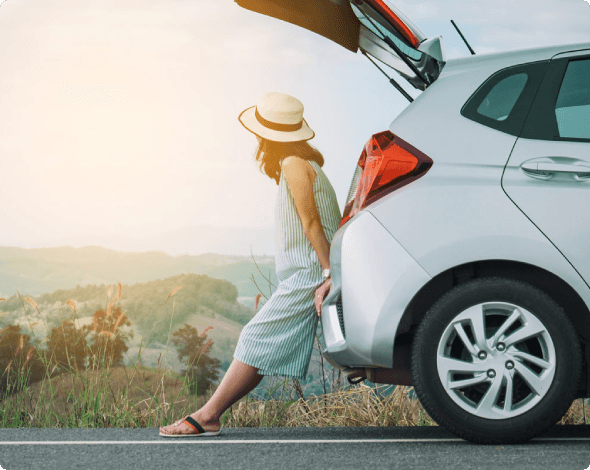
(566,447)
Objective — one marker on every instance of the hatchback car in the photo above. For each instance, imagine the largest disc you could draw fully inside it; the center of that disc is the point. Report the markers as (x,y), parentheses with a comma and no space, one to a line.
(462,263)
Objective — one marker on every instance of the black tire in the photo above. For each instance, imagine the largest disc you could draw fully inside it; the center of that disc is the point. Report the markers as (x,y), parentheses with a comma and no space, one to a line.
(437,401)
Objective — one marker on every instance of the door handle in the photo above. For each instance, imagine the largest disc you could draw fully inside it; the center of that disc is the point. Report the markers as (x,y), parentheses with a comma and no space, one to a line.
(545,170)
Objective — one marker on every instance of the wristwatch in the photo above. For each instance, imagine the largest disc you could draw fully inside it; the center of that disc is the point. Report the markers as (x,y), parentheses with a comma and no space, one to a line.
(326,273)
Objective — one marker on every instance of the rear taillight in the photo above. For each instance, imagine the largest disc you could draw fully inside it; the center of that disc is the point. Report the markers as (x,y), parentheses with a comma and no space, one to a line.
(386,164)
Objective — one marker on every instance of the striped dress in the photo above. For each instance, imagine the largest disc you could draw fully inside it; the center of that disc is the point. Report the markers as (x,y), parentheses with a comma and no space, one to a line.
(278,340)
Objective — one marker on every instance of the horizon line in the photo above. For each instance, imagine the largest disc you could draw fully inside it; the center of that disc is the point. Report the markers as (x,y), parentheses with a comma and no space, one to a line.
(131,252)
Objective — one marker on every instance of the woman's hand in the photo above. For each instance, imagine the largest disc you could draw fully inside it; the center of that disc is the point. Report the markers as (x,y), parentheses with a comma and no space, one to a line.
(320,295)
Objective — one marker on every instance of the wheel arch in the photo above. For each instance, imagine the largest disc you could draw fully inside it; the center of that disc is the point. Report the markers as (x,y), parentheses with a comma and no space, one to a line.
(559,290)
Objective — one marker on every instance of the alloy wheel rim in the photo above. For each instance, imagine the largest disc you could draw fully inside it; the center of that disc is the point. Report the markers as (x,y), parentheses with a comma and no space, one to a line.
(496,360)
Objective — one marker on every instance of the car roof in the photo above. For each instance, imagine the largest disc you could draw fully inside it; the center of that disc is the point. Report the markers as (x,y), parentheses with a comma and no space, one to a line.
(517,56)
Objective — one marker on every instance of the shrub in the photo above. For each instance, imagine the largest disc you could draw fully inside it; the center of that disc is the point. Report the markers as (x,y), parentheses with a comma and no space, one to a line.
(193,350)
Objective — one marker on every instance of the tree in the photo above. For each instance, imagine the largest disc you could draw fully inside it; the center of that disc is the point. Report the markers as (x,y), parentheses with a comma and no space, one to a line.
(20,364)
(67,346)
(107,343)
(193,350)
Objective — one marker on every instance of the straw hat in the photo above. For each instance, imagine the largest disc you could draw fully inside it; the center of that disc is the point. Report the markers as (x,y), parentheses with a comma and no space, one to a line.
(277,117)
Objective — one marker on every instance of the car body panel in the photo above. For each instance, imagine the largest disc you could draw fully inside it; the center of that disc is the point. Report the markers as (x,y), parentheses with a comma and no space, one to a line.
(557,202)
(373,276)
(487,227)
(559,207)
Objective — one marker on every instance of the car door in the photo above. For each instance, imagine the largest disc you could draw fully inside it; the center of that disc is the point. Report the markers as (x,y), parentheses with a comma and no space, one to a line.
(548,173)
(375,27)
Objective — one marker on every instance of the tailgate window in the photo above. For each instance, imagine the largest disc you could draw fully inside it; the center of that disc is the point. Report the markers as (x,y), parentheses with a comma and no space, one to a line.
(380,27)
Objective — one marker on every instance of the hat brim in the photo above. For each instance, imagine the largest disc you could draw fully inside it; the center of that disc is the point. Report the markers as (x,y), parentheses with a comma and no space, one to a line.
(249,121)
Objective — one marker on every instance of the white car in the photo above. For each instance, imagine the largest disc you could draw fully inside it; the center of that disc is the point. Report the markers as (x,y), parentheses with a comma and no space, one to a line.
(462,264)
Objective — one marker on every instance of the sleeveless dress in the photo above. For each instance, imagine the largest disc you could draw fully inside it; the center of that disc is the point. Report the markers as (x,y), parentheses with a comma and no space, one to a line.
(278,340)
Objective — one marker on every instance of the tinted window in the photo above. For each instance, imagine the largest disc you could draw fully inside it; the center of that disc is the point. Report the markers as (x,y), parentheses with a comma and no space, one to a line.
(388,30)
(561,108)
(501,99)
(502,102)
(572,109)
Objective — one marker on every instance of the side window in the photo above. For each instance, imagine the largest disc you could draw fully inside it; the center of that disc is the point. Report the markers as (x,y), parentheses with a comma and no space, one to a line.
(502,102)
(561,110)
(501,99)
(572,109)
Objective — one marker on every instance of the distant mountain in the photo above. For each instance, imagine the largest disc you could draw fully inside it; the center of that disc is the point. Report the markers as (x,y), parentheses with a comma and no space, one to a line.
(38,270)
(193,240)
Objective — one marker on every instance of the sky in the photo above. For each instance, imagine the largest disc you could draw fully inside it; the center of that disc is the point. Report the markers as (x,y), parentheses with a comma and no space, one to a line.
(119,118)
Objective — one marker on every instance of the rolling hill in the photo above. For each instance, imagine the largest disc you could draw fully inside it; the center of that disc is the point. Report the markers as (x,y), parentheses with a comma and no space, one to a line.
(38,270)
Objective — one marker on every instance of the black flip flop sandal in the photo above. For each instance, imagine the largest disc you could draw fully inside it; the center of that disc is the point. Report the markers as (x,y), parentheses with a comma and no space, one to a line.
(200,432)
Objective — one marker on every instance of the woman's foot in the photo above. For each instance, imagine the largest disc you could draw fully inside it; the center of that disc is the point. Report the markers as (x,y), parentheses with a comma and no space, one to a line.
(180,427)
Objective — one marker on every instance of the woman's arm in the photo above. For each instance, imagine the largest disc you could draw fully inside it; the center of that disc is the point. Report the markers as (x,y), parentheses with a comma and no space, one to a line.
(300,180)
(299,175)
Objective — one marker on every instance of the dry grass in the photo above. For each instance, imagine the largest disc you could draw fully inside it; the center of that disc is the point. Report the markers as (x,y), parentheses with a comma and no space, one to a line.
(147,397)
(137,396)
(359,405)
(578,413)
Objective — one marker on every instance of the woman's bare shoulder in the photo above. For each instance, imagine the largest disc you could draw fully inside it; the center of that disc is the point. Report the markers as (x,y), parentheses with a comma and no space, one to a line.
(293,161)
(298,166)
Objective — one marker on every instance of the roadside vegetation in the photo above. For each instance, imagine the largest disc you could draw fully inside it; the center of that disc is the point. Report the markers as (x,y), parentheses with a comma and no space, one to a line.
(75,377)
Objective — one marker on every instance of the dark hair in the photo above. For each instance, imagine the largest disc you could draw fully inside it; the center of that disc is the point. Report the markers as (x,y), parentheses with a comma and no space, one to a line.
(270,153)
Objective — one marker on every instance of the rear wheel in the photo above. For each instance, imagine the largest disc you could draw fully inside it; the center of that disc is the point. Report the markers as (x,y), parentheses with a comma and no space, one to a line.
(496,361)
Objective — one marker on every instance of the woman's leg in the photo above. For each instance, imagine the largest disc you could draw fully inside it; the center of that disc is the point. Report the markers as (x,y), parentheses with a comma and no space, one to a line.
(239,379)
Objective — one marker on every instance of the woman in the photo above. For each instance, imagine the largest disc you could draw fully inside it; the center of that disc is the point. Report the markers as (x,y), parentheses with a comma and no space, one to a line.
(278,340)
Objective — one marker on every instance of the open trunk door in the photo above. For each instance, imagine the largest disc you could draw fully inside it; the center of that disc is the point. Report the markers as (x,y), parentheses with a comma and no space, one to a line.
(375,27)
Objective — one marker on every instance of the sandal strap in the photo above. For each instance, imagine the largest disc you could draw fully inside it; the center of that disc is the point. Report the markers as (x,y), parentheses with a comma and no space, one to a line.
(196,426)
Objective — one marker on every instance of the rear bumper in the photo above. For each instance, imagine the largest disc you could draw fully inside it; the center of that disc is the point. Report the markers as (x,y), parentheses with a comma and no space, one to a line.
(373,280)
